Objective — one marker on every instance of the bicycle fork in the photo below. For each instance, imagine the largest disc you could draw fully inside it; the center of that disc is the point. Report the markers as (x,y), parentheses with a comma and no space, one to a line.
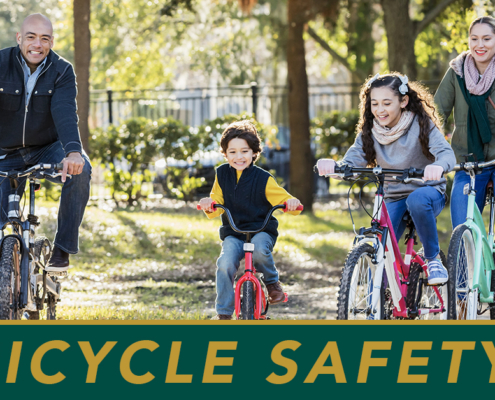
(248,276)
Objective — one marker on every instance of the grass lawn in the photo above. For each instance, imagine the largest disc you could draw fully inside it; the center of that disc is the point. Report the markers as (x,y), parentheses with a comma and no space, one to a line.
(159,262)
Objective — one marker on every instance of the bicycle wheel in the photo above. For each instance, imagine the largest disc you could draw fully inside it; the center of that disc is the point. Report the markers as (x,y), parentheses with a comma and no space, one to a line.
(461,266)
(429,298)
(356,286)
(247,300)
(10,279)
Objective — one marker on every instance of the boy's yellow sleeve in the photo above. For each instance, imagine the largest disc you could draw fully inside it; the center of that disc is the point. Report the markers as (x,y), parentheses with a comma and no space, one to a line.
(276,194)
(217,195)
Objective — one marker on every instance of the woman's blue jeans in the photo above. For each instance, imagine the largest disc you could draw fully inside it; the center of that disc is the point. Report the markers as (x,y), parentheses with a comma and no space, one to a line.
(75,191)
(228,264)
(459,201)
(424,205)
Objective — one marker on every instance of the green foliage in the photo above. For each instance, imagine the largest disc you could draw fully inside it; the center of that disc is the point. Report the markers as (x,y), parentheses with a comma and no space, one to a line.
(127,150)
(179,184)
(334,133)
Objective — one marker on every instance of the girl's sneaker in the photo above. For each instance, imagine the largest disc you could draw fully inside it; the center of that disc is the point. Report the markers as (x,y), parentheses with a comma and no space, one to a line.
(437,274)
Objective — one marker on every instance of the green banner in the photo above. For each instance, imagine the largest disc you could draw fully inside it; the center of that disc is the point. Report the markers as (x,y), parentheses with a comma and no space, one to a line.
(219,359)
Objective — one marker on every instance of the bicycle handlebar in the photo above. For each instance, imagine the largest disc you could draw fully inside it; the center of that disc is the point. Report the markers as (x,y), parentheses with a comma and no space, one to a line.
(38,168)
(267,219)
(473,165)
(409,174)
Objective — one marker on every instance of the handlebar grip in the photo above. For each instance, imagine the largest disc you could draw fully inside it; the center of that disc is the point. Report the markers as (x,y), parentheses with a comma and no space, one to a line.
(213,205)
(59,166)
(418,173)
(299,208)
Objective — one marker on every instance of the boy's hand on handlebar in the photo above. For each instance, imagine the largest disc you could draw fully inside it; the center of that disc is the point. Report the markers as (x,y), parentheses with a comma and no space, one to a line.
(73,165)
(206,204)
(433,173)
(292,204)
(326,166)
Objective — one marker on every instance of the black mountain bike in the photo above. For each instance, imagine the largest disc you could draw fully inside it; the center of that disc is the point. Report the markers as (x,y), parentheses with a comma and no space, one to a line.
(25,286)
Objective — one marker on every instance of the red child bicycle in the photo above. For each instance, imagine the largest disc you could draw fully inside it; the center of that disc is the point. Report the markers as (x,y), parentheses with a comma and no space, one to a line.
(250,299)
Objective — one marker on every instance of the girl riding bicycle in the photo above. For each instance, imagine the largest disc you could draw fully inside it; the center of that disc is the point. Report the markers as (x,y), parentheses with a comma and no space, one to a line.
(398,128)
(249,192)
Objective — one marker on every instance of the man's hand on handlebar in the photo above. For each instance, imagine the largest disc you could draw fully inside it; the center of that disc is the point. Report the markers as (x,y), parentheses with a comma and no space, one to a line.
(326,166)
(73,165)
(206,204)
(433,173)
(292,204)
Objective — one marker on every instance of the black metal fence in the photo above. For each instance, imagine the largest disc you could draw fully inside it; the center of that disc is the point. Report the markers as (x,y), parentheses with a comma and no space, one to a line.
(196,105)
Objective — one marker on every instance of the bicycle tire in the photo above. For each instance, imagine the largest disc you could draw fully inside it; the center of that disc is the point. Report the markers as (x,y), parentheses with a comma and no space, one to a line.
(429,298)
(461,267)
(41,251)
(10,278)
(247,301)
(354,301)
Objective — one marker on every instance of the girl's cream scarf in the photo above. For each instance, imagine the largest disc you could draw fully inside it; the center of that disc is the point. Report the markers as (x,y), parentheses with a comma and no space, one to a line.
(386,135)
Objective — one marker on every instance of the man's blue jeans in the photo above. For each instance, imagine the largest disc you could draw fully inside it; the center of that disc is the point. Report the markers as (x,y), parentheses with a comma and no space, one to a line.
(459,201)
(75,192)
(228,264)
(424,205)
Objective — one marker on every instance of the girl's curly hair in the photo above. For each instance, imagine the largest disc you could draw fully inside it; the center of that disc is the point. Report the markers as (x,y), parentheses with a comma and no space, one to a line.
(420,103)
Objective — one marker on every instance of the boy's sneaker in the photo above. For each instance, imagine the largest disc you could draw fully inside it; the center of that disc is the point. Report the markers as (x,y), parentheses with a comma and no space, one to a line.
(222,317)
(275,293)
(437,274)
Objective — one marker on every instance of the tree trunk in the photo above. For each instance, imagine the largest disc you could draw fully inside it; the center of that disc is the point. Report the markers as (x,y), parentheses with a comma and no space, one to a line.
(400,37)
(301,161)
(82,60)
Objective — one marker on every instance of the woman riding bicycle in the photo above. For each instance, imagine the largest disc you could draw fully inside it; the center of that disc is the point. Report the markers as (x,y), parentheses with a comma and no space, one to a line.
(468,89)
(398,128)
(249,193)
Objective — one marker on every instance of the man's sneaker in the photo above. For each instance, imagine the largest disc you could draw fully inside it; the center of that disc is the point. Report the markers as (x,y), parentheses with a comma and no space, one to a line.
(59,261)
(222,317)
(275,293)
(437,274)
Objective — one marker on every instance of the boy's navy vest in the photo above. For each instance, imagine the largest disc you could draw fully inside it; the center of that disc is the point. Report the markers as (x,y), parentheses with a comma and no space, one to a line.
(246,201)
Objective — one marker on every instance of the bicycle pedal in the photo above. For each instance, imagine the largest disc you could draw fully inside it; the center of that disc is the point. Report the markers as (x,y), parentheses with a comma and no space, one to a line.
(286,299)
(57,273)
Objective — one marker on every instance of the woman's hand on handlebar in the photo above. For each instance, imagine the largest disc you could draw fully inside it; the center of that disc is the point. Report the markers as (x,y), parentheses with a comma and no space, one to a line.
(292,204)
(433,173)
(326,166)
(206,204)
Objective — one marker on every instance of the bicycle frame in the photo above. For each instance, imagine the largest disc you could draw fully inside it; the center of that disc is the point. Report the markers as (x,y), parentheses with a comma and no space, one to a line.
(483,256)
(395,266)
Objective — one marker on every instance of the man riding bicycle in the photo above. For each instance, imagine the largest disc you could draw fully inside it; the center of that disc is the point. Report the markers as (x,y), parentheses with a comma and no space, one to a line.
(39,125)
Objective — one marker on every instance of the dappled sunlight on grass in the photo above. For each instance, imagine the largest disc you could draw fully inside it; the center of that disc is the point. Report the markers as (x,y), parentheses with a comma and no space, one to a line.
(160,263)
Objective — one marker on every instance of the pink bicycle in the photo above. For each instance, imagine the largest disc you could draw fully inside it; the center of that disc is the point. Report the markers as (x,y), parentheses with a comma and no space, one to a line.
(377,282)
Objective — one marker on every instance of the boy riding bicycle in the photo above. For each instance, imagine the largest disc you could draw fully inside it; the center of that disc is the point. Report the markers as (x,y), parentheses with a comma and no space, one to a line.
(249,192)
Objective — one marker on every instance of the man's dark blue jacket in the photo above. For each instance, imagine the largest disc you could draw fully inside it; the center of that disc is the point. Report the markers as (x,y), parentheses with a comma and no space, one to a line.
(50,114)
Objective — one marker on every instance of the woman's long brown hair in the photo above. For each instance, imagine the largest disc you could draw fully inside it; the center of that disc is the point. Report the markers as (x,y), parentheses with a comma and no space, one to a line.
(420,103)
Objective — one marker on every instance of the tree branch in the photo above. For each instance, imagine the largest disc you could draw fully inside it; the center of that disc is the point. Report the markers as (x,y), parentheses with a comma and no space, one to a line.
(431,15)
(334,54)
